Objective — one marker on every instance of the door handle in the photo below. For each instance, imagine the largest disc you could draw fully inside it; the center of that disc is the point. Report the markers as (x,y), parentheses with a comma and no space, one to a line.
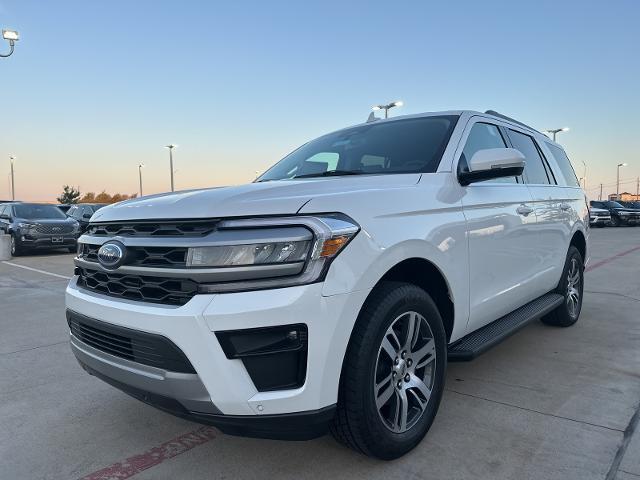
(524,210)
(565,206)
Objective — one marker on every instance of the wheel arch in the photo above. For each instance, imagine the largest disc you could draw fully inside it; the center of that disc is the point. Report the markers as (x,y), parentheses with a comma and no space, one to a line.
(428,276)
(579,241)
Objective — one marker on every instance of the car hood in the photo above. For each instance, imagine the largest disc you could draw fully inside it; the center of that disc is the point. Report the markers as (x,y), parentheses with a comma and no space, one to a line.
(630,210)
(282,197)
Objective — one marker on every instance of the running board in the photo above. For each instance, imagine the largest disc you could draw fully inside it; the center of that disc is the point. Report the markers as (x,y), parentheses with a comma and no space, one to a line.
(472,345)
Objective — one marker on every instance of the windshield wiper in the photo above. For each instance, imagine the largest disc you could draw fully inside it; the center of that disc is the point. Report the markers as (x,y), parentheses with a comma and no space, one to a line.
(330,173)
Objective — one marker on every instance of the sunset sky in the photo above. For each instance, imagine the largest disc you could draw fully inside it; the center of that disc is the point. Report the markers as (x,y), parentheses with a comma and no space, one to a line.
(95,88)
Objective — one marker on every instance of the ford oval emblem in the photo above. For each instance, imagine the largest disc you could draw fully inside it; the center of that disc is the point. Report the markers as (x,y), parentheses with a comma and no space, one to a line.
(111,254)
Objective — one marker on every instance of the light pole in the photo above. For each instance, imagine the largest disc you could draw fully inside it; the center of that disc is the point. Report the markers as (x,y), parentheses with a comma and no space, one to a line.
(171,146)
(618,180)
(387,107)
(12,37)
(555,131)
(12,158)
(140,167)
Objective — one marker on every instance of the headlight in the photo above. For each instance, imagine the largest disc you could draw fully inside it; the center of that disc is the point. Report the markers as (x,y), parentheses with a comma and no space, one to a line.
(253,254)
(624,213)
(273,252)
(26,226)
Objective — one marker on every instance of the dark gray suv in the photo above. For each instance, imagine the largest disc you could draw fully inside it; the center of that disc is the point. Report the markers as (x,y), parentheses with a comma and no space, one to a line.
(37,226)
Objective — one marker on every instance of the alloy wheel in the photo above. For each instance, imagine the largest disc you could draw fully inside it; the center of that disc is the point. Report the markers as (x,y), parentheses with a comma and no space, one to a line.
(573,288)
(405,372)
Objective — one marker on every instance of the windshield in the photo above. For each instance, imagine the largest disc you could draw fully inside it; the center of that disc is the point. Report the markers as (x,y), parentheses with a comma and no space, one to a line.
(614,205)
(401,146)
(32,211)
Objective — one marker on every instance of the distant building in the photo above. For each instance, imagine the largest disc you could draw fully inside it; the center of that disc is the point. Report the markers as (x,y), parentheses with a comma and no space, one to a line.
(625,197)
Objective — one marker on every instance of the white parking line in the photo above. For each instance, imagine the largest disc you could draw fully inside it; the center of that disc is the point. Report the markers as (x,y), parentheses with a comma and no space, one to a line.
(36,270)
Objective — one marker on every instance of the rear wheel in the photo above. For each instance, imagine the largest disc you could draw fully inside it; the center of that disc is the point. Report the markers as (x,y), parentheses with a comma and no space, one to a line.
(393,373)
(571,286)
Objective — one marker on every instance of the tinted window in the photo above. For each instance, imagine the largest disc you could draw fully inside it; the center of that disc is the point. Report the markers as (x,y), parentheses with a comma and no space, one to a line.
(611,204)
(534,171)
(2,210)
(481,137)
(33,211)
(565,165)
(400,146)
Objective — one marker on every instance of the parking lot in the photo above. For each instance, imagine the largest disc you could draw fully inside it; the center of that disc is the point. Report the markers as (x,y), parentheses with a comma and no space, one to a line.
(547,403)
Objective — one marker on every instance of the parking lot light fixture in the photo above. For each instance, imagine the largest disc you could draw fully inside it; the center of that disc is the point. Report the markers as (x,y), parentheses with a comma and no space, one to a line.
(140,167)
(10,36)
(171,146)
(387,107)
(618,180)
(555,131)
(12,159)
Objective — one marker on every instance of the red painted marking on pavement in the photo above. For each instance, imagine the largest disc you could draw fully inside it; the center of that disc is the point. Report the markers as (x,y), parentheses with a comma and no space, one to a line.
(611,259)
(138,463)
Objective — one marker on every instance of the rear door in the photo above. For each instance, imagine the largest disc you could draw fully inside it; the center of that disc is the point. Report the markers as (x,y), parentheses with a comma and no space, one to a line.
(552,228)
(568,182)
(500,230)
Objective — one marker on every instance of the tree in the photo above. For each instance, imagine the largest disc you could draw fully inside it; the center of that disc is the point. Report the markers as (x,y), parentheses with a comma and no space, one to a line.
(88,197)
(69,195)
(103,197)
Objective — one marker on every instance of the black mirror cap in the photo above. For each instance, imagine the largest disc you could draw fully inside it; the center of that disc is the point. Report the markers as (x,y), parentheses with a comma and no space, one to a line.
(466,178)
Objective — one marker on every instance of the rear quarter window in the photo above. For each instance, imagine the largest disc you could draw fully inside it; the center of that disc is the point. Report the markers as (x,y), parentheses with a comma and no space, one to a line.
(564,165)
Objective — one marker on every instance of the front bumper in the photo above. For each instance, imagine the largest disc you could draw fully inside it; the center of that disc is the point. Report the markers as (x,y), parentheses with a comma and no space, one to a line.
(599,220)
(41,241)
(221,391)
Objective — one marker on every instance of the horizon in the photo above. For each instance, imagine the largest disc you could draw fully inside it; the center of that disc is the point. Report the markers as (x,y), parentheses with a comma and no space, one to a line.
(93,90)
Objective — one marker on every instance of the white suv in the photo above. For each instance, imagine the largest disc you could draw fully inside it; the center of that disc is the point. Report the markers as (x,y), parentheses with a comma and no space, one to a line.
(332,291)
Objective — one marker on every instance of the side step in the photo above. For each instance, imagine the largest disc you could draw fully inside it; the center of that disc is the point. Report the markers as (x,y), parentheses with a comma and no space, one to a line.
(472,345)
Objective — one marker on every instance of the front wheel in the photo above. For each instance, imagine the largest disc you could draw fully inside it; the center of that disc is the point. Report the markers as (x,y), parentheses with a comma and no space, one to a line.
(571,286)
(393,373)
(615,222)
(16,248)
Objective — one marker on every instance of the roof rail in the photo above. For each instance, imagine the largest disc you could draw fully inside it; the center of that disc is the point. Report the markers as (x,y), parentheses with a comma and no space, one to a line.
(504,117)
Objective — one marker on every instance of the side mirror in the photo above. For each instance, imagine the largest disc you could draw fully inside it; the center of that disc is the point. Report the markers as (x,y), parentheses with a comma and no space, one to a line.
(492,163)
(86,216)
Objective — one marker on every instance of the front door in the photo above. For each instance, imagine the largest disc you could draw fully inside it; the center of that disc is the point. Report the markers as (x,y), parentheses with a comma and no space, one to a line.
(501,225)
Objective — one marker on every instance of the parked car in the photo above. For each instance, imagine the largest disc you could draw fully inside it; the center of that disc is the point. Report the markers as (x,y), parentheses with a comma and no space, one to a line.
(64,207)
(620,215)
(333,291)
(634,205)
(82,213)
(37,226)
(599,217)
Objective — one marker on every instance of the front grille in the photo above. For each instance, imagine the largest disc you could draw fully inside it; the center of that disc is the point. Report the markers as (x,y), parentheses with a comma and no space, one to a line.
(141,347)
(168,291)
(53,229)
(166,257)
(194,228)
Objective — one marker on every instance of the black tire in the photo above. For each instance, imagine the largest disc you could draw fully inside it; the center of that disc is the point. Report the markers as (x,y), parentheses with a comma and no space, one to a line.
(16,248)
(357,422)
(615,221)
(564,315)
